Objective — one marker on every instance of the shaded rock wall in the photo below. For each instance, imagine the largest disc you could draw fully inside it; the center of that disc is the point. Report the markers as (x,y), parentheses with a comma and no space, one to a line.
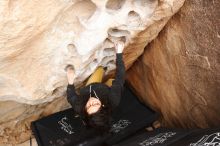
(179,72)
(39,38)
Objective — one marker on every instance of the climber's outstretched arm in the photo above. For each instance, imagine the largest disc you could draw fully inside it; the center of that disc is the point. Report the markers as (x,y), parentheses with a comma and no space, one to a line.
(118,83)
(71,93)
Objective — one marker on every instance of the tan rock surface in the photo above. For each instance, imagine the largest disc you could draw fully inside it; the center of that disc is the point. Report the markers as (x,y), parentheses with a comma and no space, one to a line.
(39,38)
(179,72)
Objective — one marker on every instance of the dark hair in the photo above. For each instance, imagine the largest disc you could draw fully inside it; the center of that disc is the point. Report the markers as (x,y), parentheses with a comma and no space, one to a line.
(101,120)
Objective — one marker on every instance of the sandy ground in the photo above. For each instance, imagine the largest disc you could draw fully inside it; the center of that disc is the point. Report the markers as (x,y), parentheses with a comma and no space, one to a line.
(27,143)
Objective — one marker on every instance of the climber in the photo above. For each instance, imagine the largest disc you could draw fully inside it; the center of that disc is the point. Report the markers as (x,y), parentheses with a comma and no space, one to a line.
(96,100)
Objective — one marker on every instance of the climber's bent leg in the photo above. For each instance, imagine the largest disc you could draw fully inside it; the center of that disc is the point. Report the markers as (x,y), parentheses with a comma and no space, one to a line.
(97,76)
(109,82)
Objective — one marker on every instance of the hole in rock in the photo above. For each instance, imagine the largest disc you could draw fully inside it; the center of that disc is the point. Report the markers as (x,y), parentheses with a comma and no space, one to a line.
(93,64)
(111,64)
(69,65)
(115,39)
(123,39)
(134,19)
(144,3)
(133,15)
(107,59)
(95,61)
(84,8)
(114,4)
(71,49)
(109,51)
(108,43)
(118,33)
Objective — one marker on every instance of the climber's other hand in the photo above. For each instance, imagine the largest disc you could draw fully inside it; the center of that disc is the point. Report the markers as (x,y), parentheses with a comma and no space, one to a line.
(70,74)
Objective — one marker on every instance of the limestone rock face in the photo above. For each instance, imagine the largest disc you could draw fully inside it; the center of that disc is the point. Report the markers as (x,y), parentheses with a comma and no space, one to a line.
(38,39)
(181,68)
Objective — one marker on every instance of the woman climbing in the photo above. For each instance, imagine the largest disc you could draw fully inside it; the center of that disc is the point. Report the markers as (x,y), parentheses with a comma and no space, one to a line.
(97,100)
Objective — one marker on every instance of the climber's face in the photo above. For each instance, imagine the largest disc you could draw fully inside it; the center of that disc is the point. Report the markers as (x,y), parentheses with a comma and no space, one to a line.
(93,105)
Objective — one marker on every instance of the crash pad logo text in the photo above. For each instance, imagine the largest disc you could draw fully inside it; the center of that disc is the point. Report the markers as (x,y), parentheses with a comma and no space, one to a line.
(158,139)
(65,126)
(208,140)
(120,125)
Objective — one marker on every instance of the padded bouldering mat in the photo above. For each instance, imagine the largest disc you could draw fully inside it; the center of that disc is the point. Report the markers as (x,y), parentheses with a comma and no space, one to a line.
(200,137)
(174,137)
(67,128)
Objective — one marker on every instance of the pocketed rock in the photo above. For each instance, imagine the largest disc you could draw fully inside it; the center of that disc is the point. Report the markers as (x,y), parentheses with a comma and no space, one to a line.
(38,39)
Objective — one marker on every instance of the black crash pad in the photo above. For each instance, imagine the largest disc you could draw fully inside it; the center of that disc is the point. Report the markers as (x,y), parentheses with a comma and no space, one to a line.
(201,137)
(174,137)
(66,128)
